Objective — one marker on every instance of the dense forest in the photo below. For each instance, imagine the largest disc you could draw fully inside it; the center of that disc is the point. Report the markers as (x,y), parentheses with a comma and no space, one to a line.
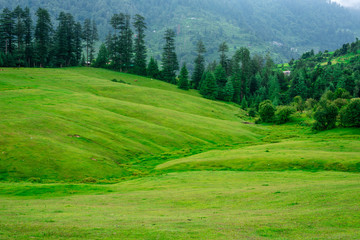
(285,28)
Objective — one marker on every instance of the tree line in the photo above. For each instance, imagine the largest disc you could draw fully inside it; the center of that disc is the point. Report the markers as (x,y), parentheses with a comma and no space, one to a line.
(24,44)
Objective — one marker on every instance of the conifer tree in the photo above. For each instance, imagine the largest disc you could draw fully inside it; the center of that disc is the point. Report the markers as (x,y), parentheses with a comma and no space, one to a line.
(208,87)
(169,58)
(7,35)
(140,48)
(229,91)
(223,49)
(29,48)
(153,69)
(184,78)
(43,32)
(102,58)
(199,65)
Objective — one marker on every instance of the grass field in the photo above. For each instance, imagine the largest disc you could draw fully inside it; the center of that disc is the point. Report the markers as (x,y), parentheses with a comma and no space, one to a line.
(184,167)
(192,205)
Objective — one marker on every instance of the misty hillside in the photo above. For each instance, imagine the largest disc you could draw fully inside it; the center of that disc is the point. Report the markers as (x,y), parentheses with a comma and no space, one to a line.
(286,28)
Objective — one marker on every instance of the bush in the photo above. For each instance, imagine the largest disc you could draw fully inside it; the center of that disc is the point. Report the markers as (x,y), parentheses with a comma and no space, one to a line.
(266,111)
(89,180)
(310,103)
(282,114)
(340,102)
(325,116)
(350,115)
(252,112)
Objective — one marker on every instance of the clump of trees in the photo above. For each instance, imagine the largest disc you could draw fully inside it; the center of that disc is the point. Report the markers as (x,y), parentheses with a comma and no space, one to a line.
(24,44)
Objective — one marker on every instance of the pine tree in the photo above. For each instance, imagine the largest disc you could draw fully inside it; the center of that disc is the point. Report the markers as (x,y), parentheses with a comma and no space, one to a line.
(87,36)
(274,89)
(29,48)
(244,103)
(220,76)
(184,78)
(153,69)
(199,65)
(77,42)
(93,39)
(169,58)
(223,49)
(140,48)
(228,91)
(43,31)
(208,87)
(7,35)
(102,58)
(19,34)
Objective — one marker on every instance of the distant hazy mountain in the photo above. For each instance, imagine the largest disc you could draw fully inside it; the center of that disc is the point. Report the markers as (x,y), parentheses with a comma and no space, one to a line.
(286,28)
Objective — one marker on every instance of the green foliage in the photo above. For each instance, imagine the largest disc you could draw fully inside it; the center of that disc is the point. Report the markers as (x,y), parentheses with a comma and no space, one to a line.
(266,111)
(153,69)
(199,65)
(102,58)
(169,58)
(252,112)
(350,115)
(325,116)
(228,91)
(299,103)
(208,88)
(184,78)
(283,113)
(140,48)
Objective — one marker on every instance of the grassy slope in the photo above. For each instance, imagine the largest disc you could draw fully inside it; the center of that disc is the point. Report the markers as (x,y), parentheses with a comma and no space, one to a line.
(74,123)
(192,205)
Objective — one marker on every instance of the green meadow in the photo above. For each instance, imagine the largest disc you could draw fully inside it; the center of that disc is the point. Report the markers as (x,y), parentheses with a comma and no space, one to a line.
(94,154)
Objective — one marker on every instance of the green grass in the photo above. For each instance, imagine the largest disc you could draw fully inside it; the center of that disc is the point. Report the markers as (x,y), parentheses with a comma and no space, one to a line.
(192,205)
(75,123)
(185,167)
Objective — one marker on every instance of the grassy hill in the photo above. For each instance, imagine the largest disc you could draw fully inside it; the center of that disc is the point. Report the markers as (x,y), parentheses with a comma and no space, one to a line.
(201,173)
(76,123)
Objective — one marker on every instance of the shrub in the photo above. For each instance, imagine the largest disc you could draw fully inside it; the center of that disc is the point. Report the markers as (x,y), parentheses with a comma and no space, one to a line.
(325,116)
(89,180)
(299,103)
(266,111)
(252,112)
(350,115)
(282,114)
(310,103)
(340,102)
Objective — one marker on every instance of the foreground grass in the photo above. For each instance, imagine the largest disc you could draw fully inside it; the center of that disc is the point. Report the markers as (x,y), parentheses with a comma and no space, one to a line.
(192,205)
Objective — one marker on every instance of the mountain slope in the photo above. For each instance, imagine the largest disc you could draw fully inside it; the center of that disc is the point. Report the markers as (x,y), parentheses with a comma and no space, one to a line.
(76,123)
(286,28)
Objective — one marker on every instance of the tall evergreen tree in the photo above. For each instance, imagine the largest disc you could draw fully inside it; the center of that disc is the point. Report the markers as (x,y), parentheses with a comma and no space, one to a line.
(208,87)
(19,33)
(7,30)
(223,49)
(169,58)
(153,69)
(184,78)
(140,48)
(199,65)
(94,38)
(78,42)
(102,58)
(29,48)
(87,36)
(43,32)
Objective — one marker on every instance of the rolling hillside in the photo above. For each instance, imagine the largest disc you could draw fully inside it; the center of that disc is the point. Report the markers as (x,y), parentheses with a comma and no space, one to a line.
(76,123)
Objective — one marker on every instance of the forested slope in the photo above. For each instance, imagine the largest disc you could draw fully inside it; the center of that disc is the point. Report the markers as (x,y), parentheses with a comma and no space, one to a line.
(286,28)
